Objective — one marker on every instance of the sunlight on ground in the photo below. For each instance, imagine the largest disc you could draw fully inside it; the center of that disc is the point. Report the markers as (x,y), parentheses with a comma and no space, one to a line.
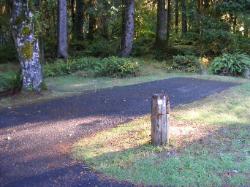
(209,146)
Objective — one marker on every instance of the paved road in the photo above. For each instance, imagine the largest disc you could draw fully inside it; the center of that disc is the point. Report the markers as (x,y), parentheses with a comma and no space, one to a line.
(35,140)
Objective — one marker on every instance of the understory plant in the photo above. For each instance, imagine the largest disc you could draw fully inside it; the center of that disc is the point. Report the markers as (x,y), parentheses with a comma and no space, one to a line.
(110,66)
(231,64)
(10,81)
(186,63)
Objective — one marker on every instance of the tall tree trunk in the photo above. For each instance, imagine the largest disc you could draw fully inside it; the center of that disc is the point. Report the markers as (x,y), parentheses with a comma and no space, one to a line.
(206,4)
(62,32)
(198,16)
(27,45)
(176,16)
(184,16)
(128,28)
(169,10)
(73,17)
(92,19)
(105,21)
(161,32)
(79,19)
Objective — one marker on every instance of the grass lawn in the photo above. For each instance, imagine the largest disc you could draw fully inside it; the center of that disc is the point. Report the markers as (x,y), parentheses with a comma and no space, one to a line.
(210,145)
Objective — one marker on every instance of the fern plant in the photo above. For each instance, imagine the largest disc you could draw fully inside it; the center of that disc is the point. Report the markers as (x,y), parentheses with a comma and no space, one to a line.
(230,64)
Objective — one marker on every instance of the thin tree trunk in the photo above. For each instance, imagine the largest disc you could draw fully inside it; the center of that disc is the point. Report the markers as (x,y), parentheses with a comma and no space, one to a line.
(198,15)
(105,21)
(206,4)
(27,45)
(176,16)
(79,19)
(72,9)
(92,20)
(128,28)
(62,35)
(161,32)
(184,16)
(169,21)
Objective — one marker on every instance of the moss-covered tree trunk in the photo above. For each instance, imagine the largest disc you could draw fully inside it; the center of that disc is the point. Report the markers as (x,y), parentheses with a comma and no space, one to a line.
(128,27)
(161,32)
(62,32)
(27,45)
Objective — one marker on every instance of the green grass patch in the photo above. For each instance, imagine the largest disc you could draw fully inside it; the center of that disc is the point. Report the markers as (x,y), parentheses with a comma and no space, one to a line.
(210,145)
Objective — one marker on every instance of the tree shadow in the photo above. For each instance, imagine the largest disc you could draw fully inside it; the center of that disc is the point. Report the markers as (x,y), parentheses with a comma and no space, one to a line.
(128,101)
(225,142)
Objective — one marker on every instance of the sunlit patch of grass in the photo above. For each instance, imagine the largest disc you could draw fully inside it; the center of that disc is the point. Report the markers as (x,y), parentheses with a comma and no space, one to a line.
(210,145)
(228,107)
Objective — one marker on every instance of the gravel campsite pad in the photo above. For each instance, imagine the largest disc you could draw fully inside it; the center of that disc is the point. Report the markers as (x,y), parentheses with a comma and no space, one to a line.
(36,140)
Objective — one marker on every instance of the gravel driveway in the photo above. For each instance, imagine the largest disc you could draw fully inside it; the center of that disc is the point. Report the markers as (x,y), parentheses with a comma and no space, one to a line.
(35,140)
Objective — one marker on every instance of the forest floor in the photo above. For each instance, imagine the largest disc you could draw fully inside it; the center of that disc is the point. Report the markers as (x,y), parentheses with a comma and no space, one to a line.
(36,139)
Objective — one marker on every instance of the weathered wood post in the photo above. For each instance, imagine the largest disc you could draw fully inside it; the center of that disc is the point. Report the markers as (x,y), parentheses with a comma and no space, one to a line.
(160,119)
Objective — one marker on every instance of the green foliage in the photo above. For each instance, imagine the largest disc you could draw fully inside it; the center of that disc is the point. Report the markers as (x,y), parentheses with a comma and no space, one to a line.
(102,48)
(230,64)
(188,63)
(111,66)
(10,81)
(118,67)
(8,53)
(216,37)
(143,46)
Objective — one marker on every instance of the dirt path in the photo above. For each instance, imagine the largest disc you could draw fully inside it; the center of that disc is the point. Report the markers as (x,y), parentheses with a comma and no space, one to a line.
(35,140)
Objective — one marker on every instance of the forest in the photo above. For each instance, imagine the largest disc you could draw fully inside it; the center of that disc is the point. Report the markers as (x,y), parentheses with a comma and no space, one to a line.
(190,35)
(124,93)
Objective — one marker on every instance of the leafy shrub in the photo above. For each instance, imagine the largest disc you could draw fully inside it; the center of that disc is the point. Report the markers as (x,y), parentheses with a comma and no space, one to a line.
(230,64)
(214,42)
(186,63)
(8,53)
(111,66)
(10,81)
(118,67)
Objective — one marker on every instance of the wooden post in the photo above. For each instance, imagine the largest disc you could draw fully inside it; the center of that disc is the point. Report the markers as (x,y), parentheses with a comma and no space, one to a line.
(160,119)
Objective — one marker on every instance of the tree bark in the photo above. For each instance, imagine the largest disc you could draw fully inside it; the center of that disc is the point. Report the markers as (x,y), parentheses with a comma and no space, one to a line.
(62,32)
(105,21)
(92,19)
(161,32)
(198,16)
(73,17)
(168,20)
(184,16)
(176,16)
(27,45)
(79,19)
(128,28)
(206,4)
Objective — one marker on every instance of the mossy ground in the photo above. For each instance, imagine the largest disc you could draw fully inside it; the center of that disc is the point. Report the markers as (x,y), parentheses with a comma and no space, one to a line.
(210,145)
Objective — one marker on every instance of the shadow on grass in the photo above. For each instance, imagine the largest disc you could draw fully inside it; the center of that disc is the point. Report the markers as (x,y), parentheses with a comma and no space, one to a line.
(221,157)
